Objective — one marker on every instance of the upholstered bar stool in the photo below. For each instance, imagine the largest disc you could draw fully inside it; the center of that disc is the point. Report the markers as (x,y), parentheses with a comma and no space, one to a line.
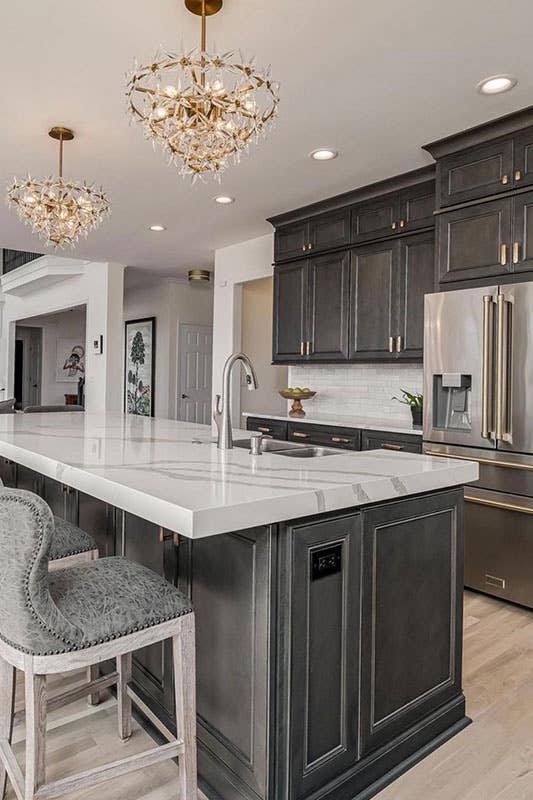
(53,622)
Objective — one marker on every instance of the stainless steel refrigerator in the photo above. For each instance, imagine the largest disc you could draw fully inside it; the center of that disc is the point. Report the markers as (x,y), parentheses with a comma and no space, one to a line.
(478,399)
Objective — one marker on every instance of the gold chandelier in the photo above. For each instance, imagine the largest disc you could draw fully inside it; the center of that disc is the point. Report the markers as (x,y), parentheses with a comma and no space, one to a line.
(59,210)
(203,109)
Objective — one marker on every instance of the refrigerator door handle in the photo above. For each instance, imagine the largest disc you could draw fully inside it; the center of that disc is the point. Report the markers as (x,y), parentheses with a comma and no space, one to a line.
(503,358)
(487,400)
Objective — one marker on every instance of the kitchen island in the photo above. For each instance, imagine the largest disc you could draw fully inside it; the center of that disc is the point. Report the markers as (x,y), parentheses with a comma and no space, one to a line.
(327,591)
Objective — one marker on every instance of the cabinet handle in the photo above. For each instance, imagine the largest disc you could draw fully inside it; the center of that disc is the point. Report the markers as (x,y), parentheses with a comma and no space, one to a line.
(308,349)
(263,430)
(518,175)
(505,180)
(302,348)
(399,344)
(298,435)
(304,247)
(503,255)
(393,226)
(391,344)
(387,446)
(402,223)
(167,537)
(309,246)
(516,253)
(340,440)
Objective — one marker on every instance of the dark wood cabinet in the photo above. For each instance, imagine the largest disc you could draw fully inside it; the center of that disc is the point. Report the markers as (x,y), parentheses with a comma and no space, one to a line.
(8,473)
(417,206)
(475,242)
(291,240)
(270,427)
(289,330)
(523,159)
(329,296)
(474,173)
(522,250)
(325,435)
(374,288)
(330,230)
(376,219)
(383,440)
(417,278)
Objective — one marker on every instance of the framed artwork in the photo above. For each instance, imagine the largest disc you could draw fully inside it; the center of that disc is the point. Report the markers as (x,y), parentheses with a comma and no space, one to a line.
(139,369)
(70,360)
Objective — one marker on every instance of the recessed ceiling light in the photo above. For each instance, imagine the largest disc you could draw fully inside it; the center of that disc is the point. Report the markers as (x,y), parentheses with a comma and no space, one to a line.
(323,154)
(496,84)
(157,228)
(224,199)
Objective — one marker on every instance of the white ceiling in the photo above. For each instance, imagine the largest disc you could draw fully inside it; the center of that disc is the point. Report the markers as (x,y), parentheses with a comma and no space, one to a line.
(373,79)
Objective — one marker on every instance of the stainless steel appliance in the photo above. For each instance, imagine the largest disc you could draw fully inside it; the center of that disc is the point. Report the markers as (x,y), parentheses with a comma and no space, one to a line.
(478,398)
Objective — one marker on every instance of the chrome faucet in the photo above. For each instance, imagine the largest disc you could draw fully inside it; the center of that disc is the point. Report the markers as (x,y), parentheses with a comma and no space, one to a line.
(222,412)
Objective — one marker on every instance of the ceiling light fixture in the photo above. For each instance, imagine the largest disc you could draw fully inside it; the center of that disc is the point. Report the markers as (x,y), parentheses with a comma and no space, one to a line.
(199,275)
(323,154)
(224,199)
(58,210)
(202,108)
(157,228)
(496,84)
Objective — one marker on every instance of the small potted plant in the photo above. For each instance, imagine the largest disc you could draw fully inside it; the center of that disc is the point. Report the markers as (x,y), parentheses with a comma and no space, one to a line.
(415,403)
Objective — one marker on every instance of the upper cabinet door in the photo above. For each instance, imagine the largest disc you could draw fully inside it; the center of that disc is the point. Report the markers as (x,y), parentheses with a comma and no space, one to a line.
(475,242)
(330,230)
(417,278)
(289,331)
(523,159)
(474,173)
(417,205)
(291,241)
(523,232)
(374,290)
(376,219)
(329,304)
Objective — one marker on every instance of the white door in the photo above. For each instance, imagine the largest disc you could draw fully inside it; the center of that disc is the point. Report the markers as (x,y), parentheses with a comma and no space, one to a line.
(194,377)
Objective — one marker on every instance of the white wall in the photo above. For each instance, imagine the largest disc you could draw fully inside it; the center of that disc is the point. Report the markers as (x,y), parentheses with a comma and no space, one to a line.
(65,325)
(100,288)
(172,302)
(234,265)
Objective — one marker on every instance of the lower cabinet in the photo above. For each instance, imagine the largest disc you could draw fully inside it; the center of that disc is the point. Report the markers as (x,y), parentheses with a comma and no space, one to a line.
(377,440)
(327,436)
(8,472)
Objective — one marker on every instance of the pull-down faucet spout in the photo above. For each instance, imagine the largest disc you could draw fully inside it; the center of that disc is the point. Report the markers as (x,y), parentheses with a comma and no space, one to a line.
(222,412)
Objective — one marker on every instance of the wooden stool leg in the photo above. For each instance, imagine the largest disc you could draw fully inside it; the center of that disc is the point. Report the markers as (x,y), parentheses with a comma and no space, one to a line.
(124,701)
(183,651)
(93,673)
(35,702)
(7,712)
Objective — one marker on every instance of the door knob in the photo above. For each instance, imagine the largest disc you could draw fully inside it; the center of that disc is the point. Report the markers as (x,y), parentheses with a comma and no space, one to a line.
(184,396)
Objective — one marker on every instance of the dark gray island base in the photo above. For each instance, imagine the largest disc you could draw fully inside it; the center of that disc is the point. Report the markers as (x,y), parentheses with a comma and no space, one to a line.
(328,649)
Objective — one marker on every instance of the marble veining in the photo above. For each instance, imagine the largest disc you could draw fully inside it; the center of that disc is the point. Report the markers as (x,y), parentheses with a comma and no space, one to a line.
(172,473)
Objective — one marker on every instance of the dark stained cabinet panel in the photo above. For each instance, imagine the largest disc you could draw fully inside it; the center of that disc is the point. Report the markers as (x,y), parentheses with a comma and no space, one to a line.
(374,287)
(326,435)
(418,549)
(290,311)
(290,240)
(474,242)
(417,205)
(329,296)
(523,159)
(330,230)
(376,219)
(270,427)
(326,576)
(417,278)
(475,173)
(97,518)
(382,440)
(522,254)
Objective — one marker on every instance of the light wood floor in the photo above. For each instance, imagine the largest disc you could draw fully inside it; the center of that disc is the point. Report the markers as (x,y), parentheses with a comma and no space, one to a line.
(492,759)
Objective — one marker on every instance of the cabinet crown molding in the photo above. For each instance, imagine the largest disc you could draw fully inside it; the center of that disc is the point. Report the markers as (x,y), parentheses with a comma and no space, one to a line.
(479,134)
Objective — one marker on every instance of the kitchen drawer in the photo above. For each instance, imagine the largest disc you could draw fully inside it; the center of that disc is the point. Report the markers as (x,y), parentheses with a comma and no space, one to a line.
(344,438)
(270,427)
(376,440)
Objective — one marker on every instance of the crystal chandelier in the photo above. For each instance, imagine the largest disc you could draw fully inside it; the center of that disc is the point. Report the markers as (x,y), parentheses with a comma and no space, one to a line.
(59,210)
(202,108)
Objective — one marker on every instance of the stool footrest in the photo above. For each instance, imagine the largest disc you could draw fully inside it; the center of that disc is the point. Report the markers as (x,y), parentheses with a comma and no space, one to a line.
(149,714)
(14,772)
(89,687)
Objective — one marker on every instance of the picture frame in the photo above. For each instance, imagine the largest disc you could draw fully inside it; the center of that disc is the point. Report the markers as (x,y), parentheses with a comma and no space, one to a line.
(70,360)
(139,366)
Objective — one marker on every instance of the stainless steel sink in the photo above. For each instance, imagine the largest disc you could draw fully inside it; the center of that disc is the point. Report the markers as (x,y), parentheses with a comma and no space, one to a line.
(289,448)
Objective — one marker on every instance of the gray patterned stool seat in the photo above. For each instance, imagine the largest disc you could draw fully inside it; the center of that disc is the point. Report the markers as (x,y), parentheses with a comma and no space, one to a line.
(69,540)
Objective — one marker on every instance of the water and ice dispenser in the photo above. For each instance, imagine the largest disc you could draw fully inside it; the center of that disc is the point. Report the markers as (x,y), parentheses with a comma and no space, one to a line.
(452,393)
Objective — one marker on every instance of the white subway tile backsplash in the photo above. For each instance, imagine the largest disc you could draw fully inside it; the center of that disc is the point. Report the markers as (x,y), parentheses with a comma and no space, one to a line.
(358,389)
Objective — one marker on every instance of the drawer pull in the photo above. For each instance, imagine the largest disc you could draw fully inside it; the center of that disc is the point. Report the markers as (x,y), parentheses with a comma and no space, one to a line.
(340,440)
(298,435)
(505,180)
(518,175)
(503,255)
(492,580)
(302,349)
(516,253)
(263,430)
(389,446)
(391,344)
(393,226)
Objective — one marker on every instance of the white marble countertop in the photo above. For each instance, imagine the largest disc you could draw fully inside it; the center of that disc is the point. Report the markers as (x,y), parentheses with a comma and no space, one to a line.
(361,423)
(172,473)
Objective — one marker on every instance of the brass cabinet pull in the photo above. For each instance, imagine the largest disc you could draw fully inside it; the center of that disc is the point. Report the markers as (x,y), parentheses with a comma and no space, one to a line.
(340,440)
(298,435)
(168,536)
(309,246)
(389,446)
(482,501)
(503,255)
(263,430)
(518,175)
(402,223)
(486,398)
(302,349)
(304,247)
(505,180)
(487,461)
(398,344)
(516,253)
(393,226)
(391,344)
(308,349)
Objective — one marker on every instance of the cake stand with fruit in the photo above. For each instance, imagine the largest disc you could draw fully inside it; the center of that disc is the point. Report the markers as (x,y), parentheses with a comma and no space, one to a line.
(297,395)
